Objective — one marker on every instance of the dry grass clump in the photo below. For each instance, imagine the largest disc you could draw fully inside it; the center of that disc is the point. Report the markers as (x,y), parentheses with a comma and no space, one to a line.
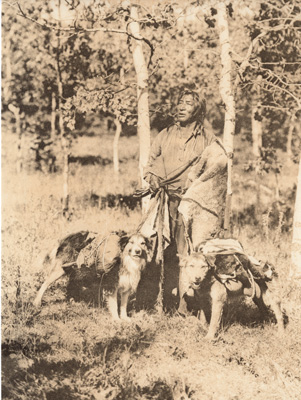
(71,350)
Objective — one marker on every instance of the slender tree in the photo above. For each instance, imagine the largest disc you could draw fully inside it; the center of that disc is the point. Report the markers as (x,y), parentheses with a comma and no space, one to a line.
(17,114)
(64,140)
(117,132)
(227,95)
(296,242)
(256,119)
(143,125)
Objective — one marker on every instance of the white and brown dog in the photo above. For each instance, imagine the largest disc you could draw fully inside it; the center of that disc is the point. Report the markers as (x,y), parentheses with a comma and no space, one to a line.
(117,259)
(204,282)
(123,276)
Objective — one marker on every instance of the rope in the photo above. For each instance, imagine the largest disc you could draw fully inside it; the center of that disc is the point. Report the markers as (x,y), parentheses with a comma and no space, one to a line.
(200,205)
(166,181)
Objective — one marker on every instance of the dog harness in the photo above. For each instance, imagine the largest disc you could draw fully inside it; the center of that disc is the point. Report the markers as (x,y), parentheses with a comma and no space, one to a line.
(234,247)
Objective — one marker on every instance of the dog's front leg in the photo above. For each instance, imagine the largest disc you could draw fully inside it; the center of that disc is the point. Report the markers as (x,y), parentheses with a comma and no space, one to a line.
(273,301)
(218,297)
(124,297)
(112,304)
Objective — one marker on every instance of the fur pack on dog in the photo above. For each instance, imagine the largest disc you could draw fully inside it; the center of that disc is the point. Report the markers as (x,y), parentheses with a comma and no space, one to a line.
(208,280)
(117,259)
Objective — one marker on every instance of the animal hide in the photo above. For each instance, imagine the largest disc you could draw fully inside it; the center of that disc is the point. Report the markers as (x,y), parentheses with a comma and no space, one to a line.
(203,204)
(101,253)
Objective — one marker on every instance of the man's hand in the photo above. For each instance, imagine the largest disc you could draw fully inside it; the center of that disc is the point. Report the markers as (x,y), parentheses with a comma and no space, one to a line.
(154,182)
(191,177)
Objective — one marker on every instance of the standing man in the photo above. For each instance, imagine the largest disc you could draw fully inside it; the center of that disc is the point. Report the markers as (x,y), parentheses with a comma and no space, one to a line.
(173,152)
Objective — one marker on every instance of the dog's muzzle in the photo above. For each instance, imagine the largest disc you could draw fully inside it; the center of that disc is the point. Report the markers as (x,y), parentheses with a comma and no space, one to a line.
(196,284)
(136,253)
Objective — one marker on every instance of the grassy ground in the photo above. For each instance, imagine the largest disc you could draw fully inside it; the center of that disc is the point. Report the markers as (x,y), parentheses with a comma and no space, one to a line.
(74,351)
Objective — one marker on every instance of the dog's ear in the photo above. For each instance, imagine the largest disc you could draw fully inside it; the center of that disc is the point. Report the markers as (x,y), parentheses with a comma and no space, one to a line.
(210,258)
(123,241)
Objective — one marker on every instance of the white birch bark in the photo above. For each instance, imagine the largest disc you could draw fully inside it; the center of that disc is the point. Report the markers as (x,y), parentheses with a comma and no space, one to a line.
(64,141)
(7,67)
(116,146)
(186,51)
(256,124)
(53,116)
(293,124)
(296,242)
(16,111)
(142,95)
(117,134)
(227,95)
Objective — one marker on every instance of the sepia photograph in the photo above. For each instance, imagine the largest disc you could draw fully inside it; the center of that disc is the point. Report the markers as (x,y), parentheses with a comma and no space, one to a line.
(151,200)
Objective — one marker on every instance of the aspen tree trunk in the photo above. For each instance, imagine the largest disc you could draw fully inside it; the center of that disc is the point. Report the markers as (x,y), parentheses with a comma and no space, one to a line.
(256,146)
(6,92)
(116,146)
(53,116)
(117,134)
(227,96)
(256,130)
(292,125)
(53,131)
(7,67)
(186,51)
(289,140)
(256,123)
(142,95)
(16,111)
(64,141)
(296,242)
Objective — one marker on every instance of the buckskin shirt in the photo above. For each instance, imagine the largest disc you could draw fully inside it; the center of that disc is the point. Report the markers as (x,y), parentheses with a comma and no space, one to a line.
(174,147)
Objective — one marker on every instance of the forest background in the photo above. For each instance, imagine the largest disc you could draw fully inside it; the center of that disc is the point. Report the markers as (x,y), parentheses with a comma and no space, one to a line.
(86,85)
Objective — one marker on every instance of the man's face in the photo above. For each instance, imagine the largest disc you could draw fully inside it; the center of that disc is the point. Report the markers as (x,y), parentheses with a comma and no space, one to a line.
(186,108)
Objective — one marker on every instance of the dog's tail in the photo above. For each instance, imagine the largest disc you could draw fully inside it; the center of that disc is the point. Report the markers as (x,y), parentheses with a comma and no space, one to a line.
(45,261)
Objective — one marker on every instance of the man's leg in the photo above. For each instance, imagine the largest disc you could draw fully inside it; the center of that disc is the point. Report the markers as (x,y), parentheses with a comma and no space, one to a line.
(171,277)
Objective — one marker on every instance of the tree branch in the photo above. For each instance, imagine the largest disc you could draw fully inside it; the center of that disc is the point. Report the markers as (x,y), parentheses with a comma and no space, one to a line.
(270,84)
(76,30)
(245,63)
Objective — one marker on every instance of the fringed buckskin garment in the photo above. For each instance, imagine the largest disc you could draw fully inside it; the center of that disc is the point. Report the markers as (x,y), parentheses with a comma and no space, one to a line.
(171,150)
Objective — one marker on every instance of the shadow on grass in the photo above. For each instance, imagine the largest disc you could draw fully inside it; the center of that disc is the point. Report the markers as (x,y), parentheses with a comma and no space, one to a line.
(33,345)
(39,378)
(61,368)
(55,378)
(248,315)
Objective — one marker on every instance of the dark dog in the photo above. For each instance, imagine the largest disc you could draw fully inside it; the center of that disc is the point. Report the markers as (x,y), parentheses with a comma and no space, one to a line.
(117,259)
(208,281)
(66,251)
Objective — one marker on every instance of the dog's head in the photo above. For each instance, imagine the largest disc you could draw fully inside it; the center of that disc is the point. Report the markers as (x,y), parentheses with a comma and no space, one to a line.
(226,264)
(137,246)
(195,269)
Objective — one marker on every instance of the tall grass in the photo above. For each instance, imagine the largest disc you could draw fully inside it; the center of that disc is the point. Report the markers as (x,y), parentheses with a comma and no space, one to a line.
(73,350)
